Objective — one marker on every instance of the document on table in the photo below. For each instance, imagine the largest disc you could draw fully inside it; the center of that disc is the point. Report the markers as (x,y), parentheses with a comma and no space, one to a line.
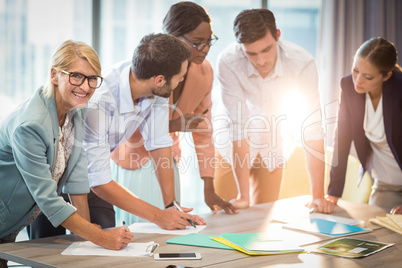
(261,243)
(352,248)
(88,248)
(390,221)
(324,227)
(288,218)
(151,228)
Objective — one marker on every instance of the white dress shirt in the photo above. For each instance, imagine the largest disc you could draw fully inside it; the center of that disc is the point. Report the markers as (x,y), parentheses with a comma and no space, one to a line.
(384,168)
(112,119)
(272,112)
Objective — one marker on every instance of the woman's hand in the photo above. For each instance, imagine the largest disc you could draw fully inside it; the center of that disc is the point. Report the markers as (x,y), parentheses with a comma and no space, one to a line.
(116,239)
(213,200)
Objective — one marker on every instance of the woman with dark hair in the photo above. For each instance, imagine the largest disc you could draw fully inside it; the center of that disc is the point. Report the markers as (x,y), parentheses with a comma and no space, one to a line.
(370,115)
(190,104)
(41,152)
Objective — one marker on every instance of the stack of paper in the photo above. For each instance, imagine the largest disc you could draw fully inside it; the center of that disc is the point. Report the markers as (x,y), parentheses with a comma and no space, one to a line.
(257,244)
(390,221)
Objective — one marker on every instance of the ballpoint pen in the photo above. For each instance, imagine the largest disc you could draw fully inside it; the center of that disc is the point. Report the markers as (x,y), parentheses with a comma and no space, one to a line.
(179,209)
(125,226)
(313,210)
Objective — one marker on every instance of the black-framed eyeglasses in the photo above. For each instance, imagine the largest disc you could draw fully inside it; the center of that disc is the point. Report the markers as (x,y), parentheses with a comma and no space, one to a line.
(201,46)
(77,79)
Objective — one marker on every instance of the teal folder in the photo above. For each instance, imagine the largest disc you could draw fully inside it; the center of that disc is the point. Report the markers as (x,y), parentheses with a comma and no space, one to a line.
(331,228)
(261,242)
(198,240)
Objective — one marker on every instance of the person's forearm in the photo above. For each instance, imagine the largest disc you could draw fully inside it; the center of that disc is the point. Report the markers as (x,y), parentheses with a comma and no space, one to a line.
(83,228)
(315,158)
(208,183)
(80,202)
(241,167)
(115,239)
(163,165)
(173,126)
(117,195)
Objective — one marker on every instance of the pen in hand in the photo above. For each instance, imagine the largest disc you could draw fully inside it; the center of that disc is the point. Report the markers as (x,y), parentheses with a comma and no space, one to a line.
(313,210)
(125,226)
(179,209)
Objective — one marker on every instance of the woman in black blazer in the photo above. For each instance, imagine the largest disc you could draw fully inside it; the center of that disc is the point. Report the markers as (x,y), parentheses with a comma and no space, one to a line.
(370,115)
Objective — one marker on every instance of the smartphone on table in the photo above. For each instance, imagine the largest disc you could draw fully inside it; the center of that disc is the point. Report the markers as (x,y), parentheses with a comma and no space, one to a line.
(177,256)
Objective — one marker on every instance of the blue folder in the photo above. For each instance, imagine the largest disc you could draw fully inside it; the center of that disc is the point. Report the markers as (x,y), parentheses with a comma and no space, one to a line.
(331,228)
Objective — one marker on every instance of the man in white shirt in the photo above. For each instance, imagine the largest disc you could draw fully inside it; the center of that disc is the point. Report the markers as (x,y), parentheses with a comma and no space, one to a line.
(264,85)
(135,94)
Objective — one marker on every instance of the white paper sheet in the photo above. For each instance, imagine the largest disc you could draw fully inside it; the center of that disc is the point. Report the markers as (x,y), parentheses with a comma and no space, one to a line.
(151,228)
(303,216)
(88,248)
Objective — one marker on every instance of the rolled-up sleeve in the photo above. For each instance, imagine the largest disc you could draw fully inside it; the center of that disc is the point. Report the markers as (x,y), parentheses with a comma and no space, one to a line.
(96,144)
(155,127)
(308,83)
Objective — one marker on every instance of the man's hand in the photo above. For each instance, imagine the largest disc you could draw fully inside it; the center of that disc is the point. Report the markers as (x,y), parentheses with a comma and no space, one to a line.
(323,205)
(213,200)
(172,219)
(397,210)
(240,203)
(186,123)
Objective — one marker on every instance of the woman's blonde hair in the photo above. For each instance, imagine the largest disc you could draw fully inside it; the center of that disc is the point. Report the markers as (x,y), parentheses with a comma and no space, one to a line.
(65,55)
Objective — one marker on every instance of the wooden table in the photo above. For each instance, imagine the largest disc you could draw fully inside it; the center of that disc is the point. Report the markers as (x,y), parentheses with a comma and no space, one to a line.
(46,252)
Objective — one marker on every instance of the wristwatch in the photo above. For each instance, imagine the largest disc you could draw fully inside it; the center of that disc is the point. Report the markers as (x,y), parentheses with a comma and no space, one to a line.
(171,204)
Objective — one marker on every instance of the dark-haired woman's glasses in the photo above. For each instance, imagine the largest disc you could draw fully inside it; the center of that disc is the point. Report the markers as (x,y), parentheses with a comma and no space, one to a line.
(201,46)
(77,79)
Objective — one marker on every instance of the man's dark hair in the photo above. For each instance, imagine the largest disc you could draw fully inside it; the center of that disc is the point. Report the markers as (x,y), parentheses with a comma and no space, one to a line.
(159,54)
(184,17)
(253,24)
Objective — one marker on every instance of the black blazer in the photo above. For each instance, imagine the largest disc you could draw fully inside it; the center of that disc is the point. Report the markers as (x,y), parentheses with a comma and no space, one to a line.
(350,128)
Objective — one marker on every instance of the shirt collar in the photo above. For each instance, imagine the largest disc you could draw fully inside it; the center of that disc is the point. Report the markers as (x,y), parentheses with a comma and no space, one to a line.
(126,99)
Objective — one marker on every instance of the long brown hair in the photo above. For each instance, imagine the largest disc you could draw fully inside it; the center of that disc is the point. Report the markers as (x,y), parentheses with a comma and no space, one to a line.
(381,53)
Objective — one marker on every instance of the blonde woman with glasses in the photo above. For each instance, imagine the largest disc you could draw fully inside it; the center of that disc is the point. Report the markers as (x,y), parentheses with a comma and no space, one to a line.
(41,152)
